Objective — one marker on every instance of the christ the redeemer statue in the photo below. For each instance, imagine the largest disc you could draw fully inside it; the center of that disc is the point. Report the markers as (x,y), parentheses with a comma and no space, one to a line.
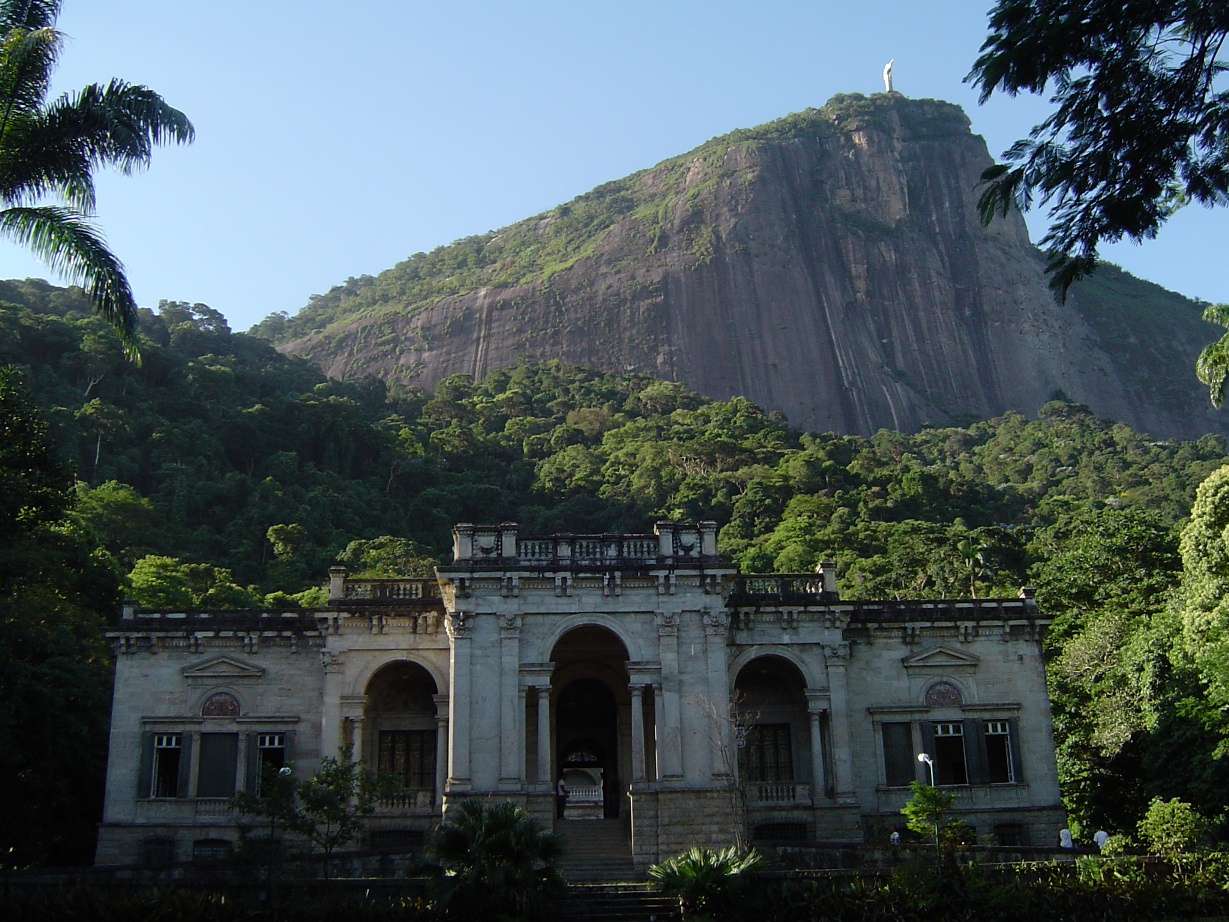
(887,76)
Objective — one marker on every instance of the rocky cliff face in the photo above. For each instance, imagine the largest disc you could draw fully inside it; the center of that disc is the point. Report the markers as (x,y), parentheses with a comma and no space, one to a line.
(830,266)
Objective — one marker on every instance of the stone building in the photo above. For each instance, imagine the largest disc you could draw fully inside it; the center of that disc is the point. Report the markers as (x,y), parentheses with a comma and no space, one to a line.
(678,699)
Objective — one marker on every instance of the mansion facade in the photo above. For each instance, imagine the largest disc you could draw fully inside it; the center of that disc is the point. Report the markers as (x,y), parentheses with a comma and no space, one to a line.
(679,700)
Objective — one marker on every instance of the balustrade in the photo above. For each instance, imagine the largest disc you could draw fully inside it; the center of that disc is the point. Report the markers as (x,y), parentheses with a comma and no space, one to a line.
(407,800)
(392,589)
(780,792)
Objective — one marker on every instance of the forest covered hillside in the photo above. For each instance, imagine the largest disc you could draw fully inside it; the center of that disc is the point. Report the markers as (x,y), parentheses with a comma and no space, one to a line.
(830,265)
(223,474)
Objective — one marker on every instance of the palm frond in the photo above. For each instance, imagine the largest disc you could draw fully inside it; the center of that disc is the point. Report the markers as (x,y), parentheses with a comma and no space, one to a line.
(28,14)
(71,246)
(27,59)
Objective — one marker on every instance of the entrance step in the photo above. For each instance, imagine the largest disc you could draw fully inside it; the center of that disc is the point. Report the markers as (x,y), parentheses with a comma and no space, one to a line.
(596,850)
(617,903)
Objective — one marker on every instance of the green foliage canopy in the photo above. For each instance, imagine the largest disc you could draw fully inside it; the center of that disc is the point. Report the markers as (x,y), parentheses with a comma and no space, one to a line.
(1141,120)
(52,149)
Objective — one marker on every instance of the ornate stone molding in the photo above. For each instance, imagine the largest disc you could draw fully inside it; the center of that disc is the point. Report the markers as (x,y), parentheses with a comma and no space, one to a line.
(459,625)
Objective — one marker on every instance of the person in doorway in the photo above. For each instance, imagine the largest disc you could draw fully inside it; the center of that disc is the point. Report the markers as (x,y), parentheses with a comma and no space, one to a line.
(561,798)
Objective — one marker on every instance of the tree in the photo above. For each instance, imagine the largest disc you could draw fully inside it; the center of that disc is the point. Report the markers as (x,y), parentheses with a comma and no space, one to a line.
(56,593)
(1172,827)
(495,861)
(52,149)
(706,881)
(1141,126)
(328,808)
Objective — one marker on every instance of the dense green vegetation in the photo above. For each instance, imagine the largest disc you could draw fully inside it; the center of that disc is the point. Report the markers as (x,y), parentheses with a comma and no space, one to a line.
(223,474)
(1090,889)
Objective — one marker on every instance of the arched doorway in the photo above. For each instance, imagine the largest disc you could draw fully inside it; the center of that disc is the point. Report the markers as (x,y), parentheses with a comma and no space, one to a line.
(772,729)
(400,730)
(592,748)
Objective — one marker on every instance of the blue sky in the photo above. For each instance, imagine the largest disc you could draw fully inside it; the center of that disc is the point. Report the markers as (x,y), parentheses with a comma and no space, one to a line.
(336,138)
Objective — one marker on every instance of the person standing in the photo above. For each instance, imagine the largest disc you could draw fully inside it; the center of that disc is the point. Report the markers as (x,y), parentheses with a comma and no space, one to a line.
(561,798)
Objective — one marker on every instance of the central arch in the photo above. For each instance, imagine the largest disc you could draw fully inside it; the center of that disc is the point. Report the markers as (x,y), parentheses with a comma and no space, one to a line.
(401,737)
(591,703)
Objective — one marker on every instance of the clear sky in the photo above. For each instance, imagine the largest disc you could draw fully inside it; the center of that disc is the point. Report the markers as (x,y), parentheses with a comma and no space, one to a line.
(337,137)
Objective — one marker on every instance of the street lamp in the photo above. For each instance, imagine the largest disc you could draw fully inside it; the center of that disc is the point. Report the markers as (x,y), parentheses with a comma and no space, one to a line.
(930,763)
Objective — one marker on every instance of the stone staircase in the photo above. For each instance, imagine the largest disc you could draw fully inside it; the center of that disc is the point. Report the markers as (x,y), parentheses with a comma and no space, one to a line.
(617,903)
(596,851)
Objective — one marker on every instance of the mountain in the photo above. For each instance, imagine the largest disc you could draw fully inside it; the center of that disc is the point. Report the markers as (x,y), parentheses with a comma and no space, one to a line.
(829,265)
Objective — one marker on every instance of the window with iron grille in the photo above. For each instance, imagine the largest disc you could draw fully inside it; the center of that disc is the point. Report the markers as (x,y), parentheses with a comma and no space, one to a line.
(769,755)
(408,755)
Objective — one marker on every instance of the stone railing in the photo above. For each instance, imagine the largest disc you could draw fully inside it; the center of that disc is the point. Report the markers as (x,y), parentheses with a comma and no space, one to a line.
(585,794)
(393,590)
(779,792)
(213,806)
(500,545)
(806,587)
(416,801)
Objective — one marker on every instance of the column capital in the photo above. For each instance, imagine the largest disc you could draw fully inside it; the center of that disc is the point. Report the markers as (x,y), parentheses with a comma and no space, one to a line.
(459,624)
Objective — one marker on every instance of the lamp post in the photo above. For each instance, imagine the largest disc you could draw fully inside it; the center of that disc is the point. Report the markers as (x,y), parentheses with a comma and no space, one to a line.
(930,763)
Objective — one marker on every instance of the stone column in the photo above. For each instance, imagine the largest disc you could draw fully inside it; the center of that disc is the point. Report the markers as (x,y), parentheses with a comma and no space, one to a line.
(717,691)
(352,707)
(330,711)
(544,766)
(441,747)
(842,756)
(815,711)
(669,730)
(511,715)
(459,630)
(637,732)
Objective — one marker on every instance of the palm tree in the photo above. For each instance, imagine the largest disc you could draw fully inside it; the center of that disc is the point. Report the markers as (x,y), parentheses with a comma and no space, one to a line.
(52,148)
(706,881)
(494,859)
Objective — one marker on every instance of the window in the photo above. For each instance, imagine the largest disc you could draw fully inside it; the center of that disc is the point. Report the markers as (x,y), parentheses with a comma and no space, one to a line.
(270,751)
(769,754)
(216,772)
(211,850)
(168,750)
(1010,835)
(1000,762)
(950,765)
(899,760)
(409,755)
(266,752)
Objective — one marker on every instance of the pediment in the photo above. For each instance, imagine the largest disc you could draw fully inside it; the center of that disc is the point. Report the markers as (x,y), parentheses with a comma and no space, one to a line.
(941,659)
(222,669)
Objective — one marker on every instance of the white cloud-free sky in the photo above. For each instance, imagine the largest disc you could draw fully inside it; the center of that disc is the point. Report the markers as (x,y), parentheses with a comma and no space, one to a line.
(337,137)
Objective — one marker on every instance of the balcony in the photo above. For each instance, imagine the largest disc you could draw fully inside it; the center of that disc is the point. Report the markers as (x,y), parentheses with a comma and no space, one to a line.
(391,590)
(408,801)
(778,792)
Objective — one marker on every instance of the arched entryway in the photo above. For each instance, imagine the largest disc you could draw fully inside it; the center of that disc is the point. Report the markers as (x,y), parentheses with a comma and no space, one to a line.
(401,736)
(591,716)
(773,730)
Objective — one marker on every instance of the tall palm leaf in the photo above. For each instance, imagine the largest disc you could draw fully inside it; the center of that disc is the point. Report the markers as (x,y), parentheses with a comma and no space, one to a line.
(50,149)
